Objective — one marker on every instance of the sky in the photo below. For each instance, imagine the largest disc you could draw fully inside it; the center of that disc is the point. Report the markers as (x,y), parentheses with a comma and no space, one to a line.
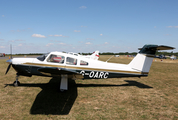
(40,26)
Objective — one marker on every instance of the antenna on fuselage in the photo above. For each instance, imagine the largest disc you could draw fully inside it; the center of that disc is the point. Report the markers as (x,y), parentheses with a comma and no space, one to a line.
(11,50)
(109,58)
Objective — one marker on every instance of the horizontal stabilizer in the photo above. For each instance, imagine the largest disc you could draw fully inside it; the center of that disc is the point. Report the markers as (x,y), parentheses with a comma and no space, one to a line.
(161,47)
(151,49)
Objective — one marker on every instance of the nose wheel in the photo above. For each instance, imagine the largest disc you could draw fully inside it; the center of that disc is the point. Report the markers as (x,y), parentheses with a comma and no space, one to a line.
(16,83)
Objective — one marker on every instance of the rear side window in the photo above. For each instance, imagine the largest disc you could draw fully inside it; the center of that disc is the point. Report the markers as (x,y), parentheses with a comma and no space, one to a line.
(83,62)
(71,61)
(56,59)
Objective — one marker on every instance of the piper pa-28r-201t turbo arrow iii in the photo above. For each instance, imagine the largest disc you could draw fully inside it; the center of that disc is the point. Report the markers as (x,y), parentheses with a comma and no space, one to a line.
(64,66)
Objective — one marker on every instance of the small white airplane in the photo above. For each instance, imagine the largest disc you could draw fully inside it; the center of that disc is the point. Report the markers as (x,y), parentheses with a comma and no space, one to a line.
(93,56)
(64,66)
(173,57)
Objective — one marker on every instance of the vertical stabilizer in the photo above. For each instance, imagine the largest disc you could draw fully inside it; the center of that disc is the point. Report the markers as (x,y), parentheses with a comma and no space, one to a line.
(95,55)
(141,63)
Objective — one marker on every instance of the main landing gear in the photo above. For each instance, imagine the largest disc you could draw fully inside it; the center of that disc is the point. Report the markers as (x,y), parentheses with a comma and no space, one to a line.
(64,83)
(16,83)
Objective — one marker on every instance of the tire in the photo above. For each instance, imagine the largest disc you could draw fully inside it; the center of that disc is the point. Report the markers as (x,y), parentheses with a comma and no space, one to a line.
(16,83)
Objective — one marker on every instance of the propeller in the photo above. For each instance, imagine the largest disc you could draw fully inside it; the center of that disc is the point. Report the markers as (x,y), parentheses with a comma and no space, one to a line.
(8,68)
(9,61)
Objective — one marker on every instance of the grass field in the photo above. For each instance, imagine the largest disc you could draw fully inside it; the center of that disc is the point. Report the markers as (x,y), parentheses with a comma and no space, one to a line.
(152,97)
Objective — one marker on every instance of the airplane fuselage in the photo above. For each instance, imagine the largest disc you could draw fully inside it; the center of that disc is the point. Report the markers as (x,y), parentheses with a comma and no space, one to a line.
(86,68)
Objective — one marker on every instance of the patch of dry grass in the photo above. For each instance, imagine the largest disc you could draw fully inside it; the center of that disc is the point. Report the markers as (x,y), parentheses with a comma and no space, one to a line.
(152,97)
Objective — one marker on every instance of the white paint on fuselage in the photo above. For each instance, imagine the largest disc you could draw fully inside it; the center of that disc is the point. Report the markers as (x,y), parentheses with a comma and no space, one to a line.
(92,64)
(16,61)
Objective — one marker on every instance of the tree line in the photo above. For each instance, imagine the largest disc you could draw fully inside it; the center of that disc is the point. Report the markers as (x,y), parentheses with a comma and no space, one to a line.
(130,53)
(107,53)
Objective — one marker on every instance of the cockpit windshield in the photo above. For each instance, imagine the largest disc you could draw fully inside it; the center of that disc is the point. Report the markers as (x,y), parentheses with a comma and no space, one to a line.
(42,57)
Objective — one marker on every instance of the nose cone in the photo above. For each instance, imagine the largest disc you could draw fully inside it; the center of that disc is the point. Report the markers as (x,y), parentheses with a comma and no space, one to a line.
(9,61)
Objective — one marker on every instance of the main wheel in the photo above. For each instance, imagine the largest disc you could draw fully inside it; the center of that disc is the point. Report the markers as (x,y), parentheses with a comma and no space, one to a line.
(62,91)
(16,83)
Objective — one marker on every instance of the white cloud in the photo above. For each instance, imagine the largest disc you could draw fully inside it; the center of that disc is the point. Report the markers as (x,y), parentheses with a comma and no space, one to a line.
(2,15)
(106,43)
(154,26)
(83,7)
(101,34)
(58,35)
(88,43)
(76,30)
(49,44)
(1,39)
(38,35)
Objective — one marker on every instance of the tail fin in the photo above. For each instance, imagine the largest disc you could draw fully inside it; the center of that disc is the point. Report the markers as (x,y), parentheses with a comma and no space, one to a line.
(95,55)
(143,60)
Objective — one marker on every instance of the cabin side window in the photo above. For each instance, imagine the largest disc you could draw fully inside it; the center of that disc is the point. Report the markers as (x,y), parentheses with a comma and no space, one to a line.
(83,62)
(56,59)
(71,61)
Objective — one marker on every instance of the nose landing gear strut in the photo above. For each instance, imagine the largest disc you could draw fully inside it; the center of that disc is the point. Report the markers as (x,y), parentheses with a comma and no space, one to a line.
(16,83)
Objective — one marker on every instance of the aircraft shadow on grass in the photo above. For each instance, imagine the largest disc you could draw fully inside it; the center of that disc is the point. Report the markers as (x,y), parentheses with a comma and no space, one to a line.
(50,101)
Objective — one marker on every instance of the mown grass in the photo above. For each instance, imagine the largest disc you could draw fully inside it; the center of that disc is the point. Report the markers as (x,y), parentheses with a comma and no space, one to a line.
(152,97)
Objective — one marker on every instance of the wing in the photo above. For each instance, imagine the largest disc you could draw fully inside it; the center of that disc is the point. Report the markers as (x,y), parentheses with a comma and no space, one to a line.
(54,71)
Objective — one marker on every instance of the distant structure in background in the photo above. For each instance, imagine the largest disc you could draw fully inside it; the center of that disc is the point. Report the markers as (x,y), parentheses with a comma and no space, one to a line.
(2,55)
(94,55)
(161,56)
(173,57)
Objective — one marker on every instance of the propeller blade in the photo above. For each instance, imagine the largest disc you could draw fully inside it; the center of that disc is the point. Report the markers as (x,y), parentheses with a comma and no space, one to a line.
(8,68)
